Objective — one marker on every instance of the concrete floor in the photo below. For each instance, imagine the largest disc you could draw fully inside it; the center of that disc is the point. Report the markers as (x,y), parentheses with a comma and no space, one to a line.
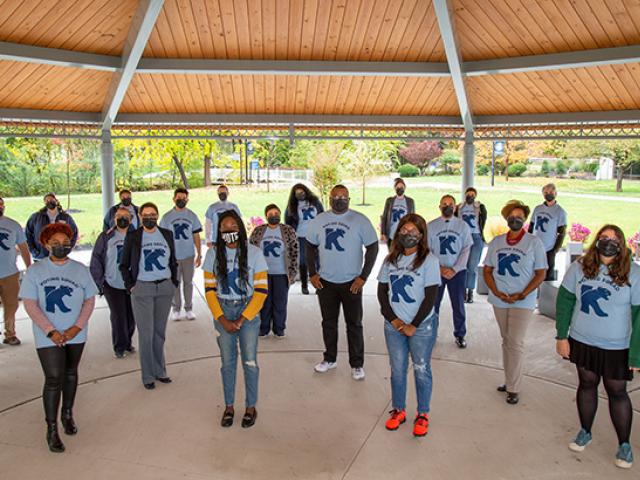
(310,426)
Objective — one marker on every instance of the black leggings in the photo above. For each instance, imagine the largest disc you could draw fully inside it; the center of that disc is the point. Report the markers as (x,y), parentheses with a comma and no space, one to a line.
(619,402)
(60,367)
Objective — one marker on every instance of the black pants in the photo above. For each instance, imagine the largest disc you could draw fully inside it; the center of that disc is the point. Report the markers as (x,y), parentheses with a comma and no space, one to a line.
(273,315)
(551,262)
(121,314)
(60,367)
(304,271)
(331,296)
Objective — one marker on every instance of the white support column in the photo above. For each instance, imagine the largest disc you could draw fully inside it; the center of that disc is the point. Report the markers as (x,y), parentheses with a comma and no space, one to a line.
(107,171)
(468,168)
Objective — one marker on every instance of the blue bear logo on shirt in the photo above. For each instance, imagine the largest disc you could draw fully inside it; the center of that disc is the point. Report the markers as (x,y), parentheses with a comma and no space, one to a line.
(180,231)
(3,237)
(397,214)
(469,219)
(232,283)
(398,288)
(270,248)
(54,296)
(308,213)
(119,249)
(540,224)
(589,297)
(446,244)
(152,259)
(332,235)
(505,264)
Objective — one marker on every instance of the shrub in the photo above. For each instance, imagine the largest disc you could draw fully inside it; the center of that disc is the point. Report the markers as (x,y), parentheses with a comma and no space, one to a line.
(407,170)
(483,169)
(517,169)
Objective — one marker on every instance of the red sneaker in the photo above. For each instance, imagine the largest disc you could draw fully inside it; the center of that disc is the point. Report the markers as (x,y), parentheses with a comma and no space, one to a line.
(398,417)
(421,425)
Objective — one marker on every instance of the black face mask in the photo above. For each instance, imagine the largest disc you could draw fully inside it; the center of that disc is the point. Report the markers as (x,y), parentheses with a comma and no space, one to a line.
(301,196)
(339,205)
(126,202)
(515,223)
(470,199)
(447,211)
(230,237)
(223,196)
(149,223)
(408,240)
(122,222)
(61,251)
(608,247)
(181,203)
(399,191)
(273,219)
(51,204)
(549,197)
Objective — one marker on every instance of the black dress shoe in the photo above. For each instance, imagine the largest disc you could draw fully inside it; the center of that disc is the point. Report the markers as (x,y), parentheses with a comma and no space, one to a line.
(68,423)
(164,379)
(305,290)
(150,386)
(502,388)
(53,439)
(512,398)
(461,342)
(249,419)
(227,418)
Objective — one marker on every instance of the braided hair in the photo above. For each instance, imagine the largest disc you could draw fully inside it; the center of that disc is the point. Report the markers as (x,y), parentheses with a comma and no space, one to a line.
(242,252)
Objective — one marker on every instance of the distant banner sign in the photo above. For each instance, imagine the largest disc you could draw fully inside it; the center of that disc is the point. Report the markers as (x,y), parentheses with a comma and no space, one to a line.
(498,147)
(254,165)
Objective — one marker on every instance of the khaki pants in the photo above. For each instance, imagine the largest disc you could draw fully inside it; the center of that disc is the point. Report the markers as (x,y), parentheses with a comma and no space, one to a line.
(513,323)
(9,287)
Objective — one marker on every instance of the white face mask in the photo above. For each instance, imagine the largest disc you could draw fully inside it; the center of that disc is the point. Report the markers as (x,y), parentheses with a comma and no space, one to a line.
(230,237)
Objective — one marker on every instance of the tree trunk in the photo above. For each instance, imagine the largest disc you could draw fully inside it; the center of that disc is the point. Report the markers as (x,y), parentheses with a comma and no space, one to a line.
(506,161)
(619,174)
(183,175)
(207,170)
(364,181)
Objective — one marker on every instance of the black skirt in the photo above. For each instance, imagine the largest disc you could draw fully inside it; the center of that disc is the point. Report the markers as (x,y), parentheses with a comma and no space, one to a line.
(609,364)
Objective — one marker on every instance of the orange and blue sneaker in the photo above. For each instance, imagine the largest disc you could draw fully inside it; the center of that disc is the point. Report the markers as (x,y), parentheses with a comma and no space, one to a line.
(398,417)
(421,425)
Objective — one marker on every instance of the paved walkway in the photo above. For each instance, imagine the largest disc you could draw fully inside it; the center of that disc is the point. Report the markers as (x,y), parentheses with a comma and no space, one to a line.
(310,426)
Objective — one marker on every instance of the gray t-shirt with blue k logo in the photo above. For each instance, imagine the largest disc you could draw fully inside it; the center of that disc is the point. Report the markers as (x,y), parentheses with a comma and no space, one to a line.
(546,221)
(154,257)
(448,237)
(184,224)
(112,273)
(273,251)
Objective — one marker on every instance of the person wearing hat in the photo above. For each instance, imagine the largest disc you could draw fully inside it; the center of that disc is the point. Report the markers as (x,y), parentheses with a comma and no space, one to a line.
(51,213)
(395,208)
(59,296)
(514,267)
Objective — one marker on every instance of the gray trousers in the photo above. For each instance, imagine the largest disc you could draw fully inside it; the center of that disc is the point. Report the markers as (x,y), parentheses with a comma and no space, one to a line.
(151,304)
(186,269)
(513,324)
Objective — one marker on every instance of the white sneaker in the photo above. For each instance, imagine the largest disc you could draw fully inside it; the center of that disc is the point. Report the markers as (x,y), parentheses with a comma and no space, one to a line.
(357,373)
(189,315)
(175,315)
(324,366)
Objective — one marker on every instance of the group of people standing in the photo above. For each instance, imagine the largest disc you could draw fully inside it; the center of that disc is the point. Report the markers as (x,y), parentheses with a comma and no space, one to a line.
(141,259)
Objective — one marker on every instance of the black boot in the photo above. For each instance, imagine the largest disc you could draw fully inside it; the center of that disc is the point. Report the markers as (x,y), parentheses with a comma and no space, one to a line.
(304,278)
(469,296)
(53,439)
(68,423)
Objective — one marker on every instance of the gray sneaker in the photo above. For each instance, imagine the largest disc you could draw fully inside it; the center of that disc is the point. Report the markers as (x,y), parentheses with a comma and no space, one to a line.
(624,457)
(581,441)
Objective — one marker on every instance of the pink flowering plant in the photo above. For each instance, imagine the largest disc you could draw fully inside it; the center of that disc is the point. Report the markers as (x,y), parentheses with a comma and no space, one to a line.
(254,222)
(634,242)
(579,233)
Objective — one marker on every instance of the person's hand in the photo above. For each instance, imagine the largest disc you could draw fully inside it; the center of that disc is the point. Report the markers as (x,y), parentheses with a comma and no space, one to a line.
(209,244)
(383,238)
(563,348)
(409,330)
(315,281)
(228,326)
(398,324)
(198,261)
(447,272)
(71,332)
(356,286)
(515,297)
(238,323)
(58,338)
(634,369)
(503,296)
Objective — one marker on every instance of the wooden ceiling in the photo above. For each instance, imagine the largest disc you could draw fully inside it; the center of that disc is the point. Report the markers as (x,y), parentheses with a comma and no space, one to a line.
(342,30)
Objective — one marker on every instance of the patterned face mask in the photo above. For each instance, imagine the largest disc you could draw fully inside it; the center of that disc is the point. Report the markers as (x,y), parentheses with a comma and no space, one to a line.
(230,237)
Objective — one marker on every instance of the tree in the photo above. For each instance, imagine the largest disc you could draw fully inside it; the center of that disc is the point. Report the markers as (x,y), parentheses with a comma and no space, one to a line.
(448,159)
(367,158)
(421,154)
(324,160)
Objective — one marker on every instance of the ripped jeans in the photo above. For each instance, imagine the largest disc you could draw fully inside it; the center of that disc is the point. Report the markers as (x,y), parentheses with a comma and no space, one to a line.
(419,346)
(247,337)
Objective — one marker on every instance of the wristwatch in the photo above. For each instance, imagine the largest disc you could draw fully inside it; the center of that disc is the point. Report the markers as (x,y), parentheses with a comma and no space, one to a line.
(50,334)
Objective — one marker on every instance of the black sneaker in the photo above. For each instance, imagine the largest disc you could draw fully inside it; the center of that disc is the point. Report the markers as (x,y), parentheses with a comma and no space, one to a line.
(119,354)
(461,342)
(305,290)
(131,349)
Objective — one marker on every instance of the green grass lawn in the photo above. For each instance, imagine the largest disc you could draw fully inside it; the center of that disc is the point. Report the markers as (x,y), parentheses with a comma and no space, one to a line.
(591,212)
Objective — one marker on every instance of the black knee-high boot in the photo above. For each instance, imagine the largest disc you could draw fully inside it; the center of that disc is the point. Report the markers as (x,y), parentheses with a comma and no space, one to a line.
(51,400)
(304,278)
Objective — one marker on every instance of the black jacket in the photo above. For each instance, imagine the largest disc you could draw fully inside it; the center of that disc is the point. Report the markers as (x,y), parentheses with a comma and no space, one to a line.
(385,220)
(37,222)
(130,262)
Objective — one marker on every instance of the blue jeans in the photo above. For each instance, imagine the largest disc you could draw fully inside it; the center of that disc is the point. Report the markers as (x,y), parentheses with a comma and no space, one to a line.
(420,346)
(247,336)
(474,260)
